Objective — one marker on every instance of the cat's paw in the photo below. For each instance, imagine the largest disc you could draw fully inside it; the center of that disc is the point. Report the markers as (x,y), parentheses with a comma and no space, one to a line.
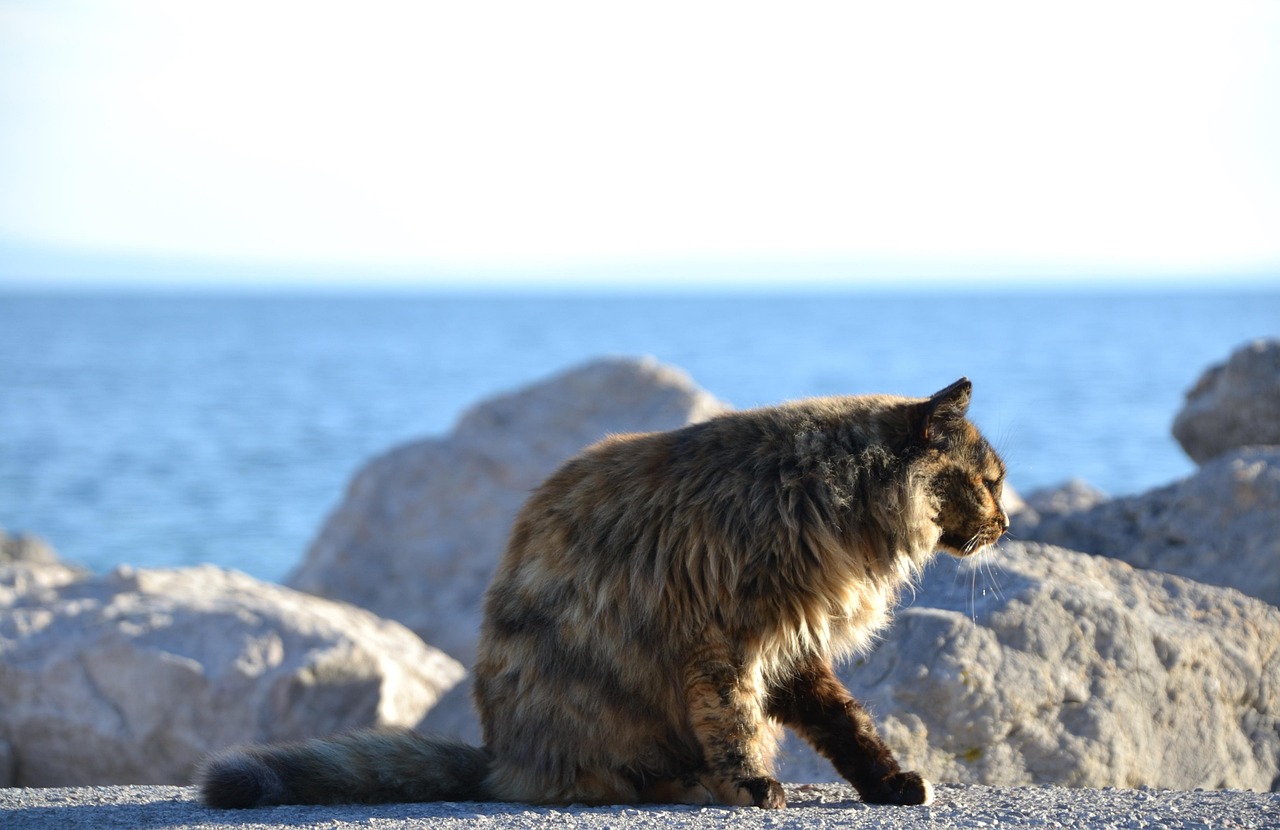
(902,788)
(762,792)
(765,792)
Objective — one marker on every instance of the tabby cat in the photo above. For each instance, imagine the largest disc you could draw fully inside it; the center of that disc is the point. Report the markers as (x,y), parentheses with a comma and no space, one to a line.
(667,600)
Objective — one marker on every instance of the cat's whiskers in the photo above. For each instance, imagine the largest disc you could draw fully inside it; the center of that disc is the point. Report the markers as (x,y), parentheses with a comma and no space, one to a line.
(973,594)
(973,590)
(977,560)
(989,564)
(985,563)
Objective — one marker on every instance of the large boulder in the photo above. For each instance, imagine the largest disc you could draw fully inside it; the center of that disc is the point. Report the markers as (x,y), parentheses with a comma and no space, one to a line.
(1038,665)
(134,676)
(1220,525)
(1233,404)
(422,527)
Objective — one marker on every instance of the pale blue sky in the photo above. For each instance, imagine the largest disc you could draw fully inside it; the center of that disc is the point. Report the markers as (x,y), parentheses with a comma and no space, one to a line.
(656,140)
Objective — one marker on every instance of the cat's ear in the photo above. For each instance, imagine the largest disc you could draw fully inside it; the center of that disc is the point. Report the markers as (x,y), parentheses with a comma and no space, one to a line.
(944,409)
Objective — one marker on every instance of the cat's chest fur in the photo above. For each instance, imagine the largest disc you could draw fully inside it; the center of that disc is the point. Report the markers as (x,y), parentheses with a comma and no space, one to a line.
(835,615)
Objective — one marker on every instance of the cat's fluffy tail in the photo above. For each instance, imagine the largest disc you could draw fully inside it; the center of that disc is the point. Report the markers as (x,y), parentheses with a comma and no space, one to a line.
(374,766)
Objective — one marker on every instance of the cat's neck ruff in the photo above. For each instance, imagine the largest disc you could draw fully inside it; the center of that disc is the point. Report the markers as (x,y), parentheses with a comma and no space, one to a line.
(846,601)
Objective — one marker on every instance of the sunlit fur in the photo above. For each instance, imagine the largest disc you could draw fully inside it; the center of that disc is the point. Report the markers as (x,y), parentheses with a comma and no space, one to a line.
(668,599)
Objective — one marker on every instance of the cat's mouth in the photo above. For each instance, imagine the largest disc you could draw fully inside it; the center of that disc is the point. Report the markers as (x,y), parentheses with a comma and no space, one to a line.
(962,546)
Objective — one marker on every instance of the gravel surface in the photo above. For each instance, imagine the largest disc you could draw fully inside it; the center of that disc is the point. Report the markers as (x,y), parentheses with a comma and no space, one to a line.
(811,807)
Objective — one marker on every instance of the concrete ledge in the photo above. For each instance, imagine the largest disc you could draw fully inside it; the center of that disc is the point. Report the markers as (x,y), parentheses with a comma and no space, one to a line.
(820,807)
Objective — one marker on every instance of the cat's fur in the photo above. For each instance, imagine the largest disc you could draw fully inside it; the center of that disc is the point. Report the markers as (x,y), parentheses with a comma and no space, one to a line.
(668,599)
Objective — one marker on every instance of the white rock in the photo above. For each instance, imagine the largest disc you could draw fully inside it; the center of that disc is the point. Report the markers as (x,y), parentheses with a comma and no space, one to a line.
(1075,494)
(25,548)
(1041,665)
(1068,497)
(422,527)
(133,677)
(1233,404)
(1220,525)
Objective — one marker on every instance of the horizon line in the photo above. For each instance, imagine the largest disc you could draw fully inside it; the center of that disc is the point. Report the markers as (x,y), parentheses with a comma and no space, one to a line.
(27,267)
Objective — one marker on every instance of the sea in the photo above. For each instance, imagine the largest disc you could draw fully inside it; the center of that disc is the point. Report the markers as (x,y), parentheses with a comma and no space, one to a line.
(166,429)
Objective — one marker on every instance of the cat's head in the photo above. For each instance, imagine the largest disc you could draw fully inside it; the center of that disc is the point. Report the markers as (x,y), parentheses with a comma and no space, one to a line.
(966,474)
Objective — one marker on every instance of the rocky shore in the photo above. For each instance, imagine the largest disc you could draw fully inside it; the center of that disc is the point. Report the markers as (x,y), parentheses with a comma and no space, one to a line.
(1130,642)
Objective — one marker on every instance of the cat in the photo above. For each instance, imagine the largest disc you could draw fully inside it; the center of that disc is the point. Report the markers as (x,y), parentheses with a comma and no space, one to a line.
(667,600)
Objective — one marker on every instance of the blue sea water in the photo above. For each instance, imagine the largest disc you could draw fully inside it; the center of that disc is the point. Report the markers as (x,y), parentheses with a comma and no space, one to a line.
(156,430)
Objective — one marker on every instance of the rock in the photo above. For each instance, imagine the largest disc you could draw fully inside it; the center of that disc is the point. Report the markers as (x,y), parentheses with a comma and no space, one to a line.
(1042,665)
(1219,526)
(455,716)
(20,581)
(1069,497)
(1234,404)
(133,677)
(24,548)
(423,526)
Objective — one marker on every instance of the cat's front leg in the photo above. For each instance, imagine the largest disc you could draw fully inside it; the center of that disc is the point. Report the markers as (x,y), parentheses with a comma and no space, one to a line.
(814,703)
(726,708)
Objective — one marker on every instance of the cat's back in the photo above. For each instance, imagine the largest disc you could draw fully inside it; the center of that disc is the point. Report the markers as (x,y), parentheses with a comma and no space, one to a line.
(615,494)
(743,437)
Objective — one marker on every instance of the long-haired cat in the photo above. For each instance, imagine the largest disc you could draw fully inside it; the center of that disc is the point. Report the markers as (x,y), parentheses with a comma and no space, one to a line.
(667,600)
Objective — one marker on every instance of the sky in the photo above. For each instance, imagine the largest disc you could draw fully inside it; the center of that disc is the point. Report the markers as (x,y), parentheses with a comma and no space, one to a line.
(485,141)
